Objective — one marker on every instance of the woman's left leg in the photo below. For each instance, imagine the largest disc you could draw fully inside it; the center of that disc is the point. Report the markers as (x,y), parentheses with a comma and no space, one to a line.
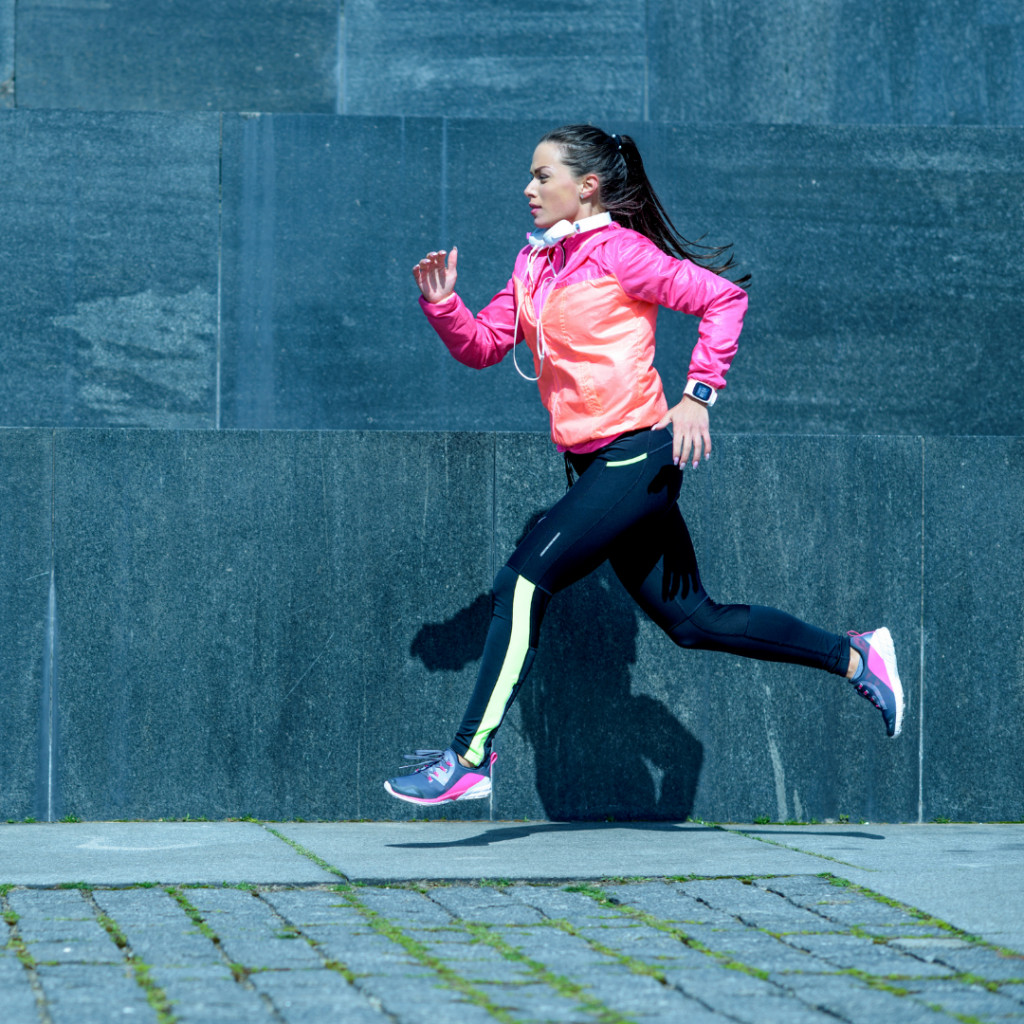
(622,486)
(658,567)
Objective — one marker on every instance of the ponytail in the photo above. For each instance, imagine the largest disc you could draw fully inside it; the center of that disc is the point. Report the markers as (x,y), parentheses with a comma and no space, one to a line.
(627,194)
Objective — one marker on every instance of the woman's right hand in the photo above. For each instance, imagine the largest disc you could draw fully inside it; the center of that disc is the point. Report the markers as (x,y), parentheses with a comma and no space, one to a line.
(435,280)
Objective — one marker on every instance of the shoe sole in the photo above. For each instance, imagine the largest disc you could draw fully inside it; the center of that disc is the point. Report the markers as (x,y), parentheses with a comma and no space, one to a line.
(881,641)
(481,791)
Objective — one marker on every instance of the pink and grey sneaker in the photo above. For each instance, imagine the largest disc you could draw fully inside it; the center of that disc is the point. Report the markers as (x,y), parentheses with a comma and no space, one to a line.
(877,678)
(440,777)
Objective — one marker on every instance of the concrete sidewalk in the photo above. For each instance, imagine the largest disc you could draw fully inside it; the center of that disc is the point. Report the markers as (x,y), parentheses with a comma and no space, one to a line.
(971,876)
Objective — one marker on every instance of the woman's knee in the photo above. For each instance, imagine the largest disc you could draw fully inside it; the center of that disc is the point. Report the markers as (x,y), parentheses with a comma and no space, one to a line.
(711,620)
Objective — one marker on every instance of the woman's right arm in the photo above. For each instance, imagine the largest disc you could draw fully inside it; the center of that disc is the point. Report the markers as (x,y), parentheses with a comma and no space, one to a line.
(474,341)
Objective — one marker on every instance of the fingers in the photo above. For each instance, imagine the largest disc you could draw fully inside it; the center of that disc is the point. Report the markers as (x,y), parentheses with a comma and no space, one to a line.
(453,260)
(434,281)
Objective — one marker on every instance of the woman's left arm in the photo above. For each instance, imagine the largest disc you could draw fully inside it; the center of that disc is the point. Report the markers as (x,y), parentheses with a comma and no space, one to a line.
(648,273)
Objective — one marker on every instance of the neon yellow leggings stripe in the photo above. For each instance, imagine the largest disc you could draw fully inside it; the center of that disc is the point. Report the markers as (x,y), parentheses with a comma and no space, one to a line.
(628,462)
(511,667)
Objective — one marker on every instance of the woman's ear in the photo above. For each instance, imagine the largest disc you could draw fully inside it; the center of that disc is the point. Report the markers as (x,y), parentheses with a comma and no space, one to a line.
(589,187)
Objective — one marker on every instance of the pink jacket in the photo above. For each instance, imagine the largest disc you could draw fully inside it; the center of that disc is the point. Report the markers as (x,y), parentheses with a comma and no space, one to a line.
(597,295)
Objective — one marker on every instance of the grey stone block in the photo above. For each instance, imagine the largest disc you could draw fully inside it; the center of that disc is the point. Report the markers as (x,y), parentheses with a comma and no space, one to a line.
(26,516)
(974,562)
(79,994)
(483,905)
(311,203)
(160,934)
(227,55)
(244,604)
(404,906)
(109,310)
(486,59)
(313,909)
(19,999)
(323,221)
(837,62)
(6,53)
(314,996)
(957,998)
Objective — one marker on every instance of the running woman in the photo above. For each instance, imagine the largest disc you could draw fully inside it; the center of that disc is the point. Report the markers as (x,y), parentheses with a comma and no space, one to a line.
(584,296)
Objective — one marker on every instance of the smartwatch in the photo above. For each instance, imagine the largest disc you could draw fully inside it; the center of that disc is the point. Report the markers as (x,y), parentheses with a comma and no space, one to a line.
(703,393)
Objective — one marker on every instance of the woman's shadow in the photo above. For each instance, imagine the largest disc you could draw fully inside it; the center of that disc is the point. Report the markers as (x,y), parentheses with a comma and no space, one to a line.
(601,751)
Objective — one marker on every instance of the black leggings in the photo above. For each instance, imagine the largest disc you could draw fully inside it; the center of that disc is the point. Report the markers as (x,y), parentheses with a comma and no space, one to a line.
(623,508)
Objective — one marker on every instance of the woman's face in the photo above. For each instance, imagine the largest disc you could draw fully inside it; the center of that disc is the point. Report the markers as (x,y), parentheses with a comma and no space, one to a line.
(553,192)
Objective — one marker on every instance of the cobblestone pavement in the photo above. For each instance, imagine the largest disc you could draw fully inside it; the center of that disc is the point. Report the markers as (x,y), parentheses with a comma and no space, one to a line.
(789,949)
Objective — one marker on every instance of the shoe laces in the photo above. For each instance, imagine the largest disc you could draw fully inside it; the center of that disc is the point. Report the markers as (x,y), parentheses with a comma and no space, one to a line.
(422,760)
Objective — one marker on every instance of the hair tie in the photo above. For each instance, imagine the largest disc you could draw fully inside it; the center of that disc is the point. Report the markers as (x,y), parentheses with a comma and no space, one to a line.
(617,139)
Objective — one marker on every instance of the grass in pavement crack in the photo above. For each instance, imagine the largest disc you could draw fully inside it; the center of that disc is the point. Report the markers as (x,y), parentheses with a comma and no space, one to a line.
(934,922)
(786,846)
(16,943)
(319,861)
(601,897)
(419,951)
(239,971)
(636,966)
(562,985)
(155,995)
(293,931)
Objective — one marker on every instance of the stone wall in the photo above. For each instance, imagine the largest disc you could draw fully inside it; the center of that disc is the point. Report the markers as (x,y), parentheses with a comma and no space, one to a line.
(204,270)
(924,62)
(228,623)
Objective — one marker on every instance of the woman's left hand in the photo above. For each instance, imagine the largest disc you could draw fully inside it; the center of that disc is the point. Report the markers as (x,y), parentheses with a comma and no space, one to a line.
(690,430)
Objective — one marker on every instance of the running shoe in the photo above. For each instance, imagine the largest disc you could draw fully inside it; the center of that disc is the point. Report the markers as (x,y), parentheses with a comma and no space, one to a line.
(877,678)
(440,777)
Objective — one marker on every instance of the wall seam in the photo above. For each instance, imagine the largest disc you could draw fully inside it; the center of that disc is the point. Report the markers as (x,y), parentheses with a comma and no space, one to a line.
(920,666)
(49,657)
(220,270)
(647,60)
(14,55)
(339,63)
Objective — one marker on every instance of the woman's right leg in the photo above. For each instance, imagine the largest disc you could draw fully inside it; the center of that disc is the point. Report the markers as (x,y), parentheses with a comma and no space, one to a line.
(658,567)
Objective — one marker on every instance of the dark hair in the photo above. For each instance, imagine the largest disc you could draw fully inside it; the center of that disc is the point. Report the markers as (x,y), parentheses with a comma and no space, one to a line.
(628,196)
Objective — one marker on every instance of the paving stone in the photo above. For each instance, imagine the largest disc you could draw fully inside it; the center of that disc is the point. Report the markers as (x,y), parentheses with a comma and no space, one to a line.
(201,994)
(157,929)
(484,905)
(422,1001)
(852,1001)
(15,983)
(403,905)
(60,927)
(1013,991)
(754,906)
(313,908)
(986,963)
(557,903)
(765,953)
(852,952)
(249,931)
(314,996)
(556,949)
(536,1002)
(79,994)
(968,1000)
(843,906)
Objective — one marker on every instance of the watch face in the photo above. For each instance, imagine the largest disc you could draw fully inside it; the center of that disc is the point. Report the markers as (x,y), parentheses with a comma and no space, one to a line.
(701,391)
